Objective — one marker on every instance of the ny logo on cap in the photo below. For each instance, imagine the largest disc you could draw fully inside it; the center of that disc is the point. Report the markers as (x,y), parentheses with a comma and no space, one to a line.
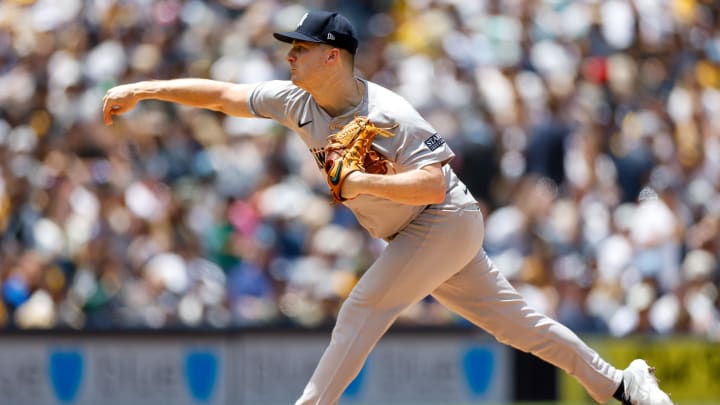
(330,36)
(302,20)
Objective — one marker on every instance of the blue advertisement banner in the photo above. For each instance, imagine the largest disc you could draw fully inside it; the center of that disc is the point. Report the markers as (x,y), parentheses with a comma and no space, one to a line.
(254,369)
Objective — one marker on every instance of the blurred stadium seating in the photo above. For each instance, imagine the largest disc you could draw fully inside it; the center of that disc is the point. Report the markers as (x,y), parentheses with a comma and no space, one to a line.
(589,131)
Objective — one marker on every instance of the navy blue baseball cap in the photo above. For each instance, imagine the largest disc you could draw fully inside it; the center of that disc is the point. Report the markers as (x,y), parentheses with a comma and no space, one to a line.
(323,27)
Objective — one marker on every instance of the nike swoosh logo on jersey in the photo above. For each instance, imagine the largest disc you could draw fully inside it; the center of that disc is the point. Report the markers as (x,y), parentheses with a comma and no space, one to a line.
(335,178)
(302,124)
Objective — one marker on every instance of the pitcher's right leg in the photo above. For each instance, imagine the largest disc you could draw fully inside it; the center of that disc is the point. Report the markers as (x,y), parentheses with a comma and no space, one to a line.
(481,294)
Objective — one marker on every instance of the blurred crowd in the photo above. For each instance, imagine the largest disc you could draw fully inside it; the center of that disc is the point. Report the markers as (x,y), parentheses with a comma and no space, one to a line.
(588,130)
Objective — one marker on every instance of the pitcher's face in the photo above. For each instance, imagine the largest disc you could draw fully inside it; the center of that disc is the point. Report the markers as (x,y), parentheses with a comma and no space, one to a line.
(307,63)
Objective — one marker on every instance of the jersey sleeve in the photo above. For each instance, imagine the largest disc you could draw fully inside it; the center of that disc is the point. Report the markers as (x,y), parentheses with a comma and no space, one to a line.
(416,143)
(422,145)
(275,99)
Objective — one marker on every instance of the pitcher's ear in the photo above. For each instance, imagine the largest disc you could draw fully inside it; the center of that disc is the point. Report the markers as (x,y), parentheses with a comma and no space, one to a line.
(334,54)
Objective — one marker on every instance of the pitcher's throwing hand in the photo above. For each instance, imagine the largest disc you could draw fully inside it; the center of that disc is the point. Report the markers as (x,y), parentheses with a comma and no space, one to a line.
(118,100)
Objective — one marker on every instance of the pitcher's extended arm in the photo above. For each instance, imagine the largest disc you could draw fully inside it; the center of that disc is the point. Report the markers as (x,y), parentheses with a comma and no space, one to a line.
(229,98)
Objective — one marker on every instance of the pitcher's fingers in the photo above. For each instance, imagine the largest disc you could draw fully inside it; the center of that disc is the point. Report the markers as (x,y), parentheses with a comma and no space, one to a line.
(109,111)
(106,111)
(107,114)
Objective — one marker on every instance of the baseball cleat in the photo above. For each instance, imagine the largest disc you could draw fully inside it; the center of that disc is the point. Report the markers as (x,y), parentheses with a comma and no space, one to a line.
(641,387)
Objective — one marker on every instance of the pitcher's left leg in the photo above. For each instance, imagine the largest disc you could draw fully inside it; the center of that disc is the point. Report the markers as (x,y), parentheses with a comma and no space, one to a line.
(429,251)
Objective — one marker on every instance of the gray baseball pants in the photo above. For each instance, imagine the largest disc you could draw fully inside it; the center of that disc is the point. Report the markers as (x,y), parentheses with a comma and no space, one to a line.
(440,253)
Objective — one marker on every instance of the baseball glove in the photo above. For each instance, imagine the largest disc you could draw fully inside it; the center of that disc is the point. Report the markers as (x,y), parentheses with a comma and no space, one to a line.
(349,150)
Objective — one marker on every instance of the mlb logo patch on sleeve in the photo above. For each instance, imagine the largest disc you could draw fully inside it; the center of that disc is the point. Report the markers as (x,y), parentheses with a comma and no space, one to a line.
(434,142)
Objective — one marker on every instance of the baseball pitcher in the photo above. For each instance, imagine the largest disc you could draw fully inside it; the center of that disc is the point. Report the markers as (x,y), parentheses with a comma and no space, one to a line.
(390,167)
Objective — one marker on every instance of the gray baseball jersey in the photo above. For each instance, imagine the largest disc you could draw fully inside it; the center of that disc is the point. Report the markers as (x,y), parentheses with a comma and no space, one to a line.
(416,144)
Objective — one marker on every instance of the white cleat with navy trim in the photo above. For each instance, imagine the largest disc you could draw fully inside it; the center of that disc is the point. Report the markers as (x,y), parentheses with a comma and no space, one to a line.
(641,386)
